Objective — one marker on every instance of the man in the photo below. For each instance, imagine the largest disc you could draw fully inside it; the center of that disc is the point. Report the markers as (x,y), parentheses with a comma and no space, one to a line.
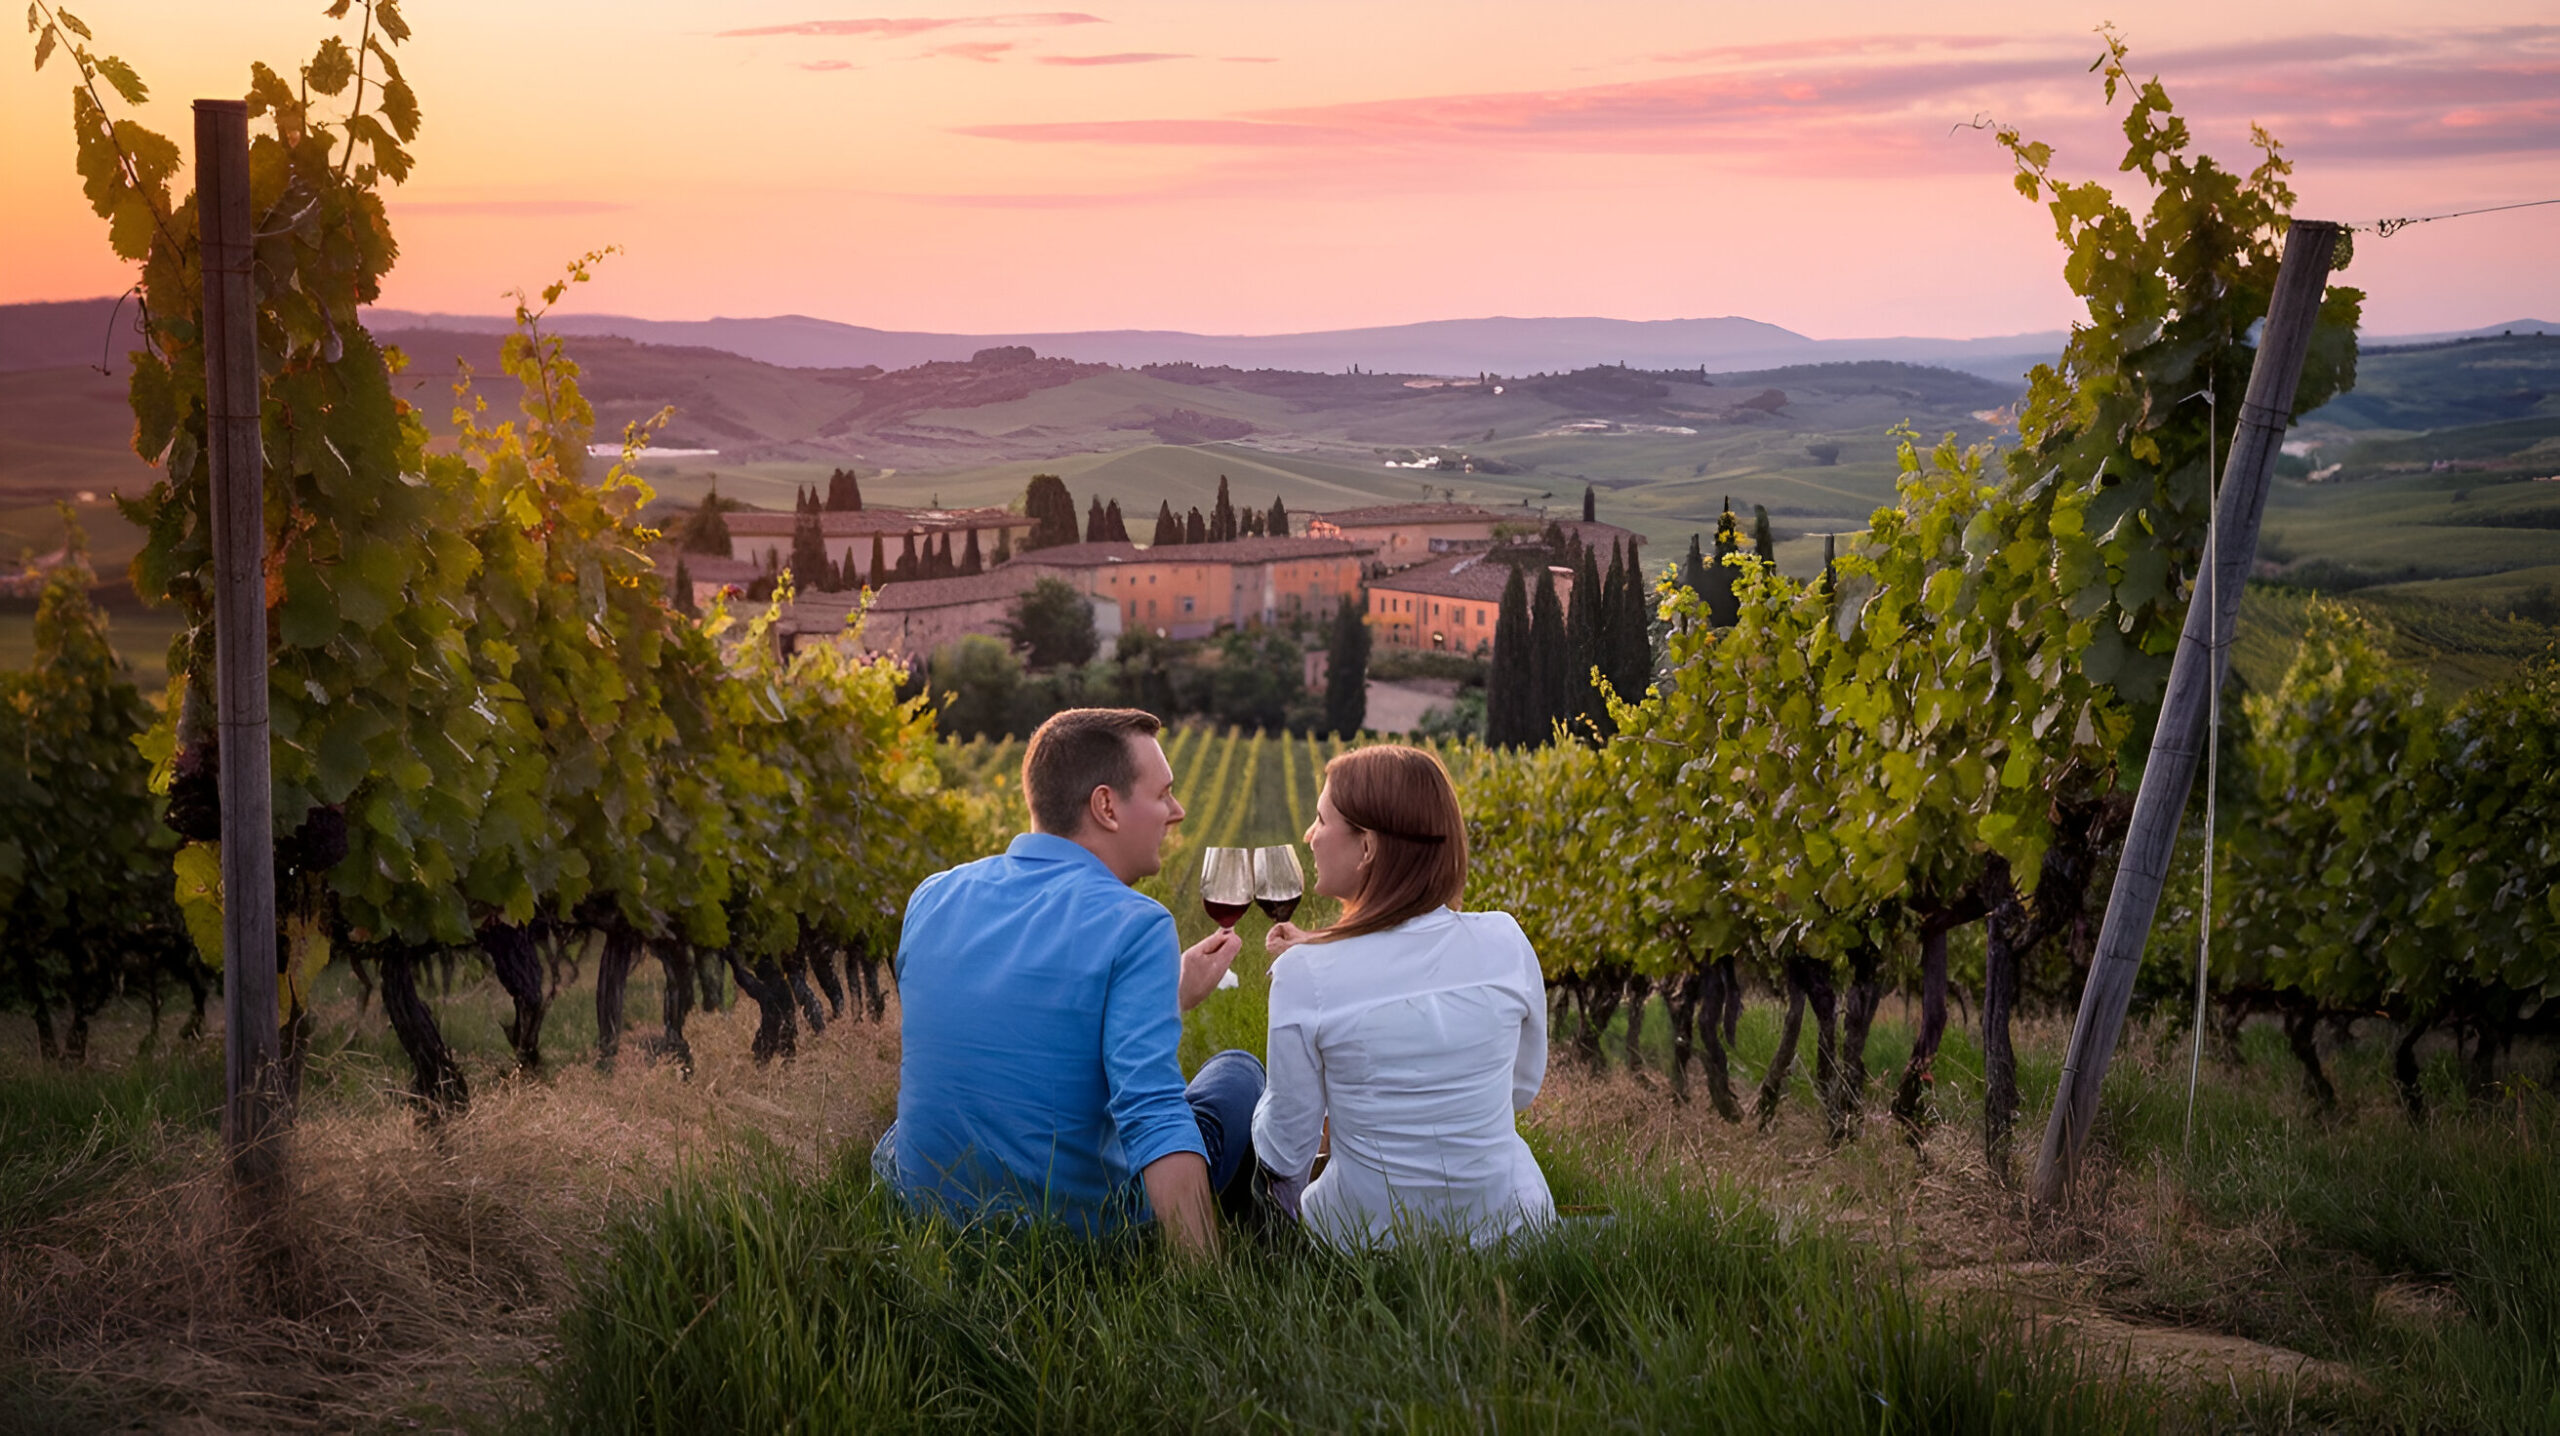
(1040,1010)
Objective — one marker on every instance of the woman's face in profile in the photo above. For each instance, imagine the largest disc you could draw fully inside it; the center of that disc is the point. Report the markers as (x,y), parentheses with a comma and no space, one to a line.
(1341,851)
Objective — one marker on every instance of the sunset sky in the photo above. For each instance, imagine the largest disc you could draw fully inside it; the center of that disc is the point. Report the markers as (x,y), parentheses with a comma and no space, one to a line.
(1224,166)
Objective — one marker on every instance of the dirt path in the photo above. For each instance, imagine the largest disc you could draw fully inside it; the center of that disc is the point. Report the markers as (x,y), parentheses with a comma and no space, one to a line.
(1398,707)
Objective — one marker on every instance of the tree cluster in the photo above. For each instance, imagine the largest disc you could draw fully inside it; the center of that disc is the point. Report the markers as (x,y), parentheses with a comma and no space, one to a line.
(1554,665)
(1223,523)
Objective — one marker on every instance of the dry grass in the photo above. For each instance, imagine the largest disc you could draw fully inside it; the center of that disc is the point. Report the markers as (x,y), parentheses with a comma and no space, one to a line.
(418,1274)
(413,1271)
(2129,1269)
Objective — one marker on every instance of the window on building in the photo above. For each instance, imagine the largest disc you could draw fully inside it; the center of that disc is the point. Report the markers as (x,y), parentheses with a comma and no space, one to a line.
(1186,603)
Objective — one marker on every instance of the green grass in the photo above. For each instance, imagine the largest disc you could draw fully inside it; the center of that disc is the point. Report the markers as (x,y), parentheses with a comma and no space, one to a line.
(750,1301)
(2359,1203)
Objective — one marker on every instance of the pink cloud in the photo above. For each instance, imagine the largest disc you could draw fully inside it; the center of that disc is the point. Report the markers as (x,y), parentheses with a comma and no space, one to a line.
(982,51)
(824,65)
(1826,48)
(1870,109)
(1126,57)
(897,27)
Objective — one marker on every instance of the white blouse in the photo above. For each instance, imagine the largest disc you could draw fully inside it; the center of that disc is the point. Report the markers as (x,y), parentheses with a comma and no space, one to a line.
(1422,1043)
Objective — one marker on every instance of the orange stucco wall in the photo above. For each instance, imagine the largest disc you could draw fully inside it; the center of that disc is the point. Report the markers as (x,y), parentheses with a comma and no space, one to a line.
(1187,600)
(1422,620)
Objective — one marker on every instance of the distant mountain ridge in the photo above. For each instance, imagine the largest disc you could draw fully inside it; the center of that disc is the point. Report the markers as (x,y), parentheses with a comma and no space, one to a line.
(1501,345)
(34,336)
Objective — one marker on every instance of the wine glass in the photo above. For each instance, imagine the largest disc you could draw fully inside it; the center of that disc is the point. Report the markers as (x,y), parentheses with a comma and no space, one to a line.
(1226,884)
(1278,881)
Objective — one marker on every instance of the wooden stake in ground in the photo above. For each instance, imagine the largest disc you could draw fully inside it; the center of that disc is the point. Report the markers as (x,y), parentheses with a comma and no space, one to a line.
(253,1109)
(2204,649)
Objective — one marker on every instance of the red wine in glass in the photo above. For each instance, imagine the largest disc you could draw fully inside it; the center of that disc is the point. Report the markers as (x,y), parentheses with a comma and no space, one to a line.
(1278,881)
(1226,884)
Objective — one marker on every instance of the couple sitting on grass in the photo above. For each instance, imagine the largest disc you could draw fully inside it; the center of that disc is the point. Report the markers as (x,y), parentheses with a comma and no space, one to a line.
(1041,1003)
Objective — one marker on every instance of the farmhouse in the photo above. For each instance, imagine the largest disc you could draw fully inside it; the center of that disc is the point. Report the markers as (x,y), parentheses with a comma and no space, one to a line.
(1452,602)
(1403,535)
(913,617)
(1188,590)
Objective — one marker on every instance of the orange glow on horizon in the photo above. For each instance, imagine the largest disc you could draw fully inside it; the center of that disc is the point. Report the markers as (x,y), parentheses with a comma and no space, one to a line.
(1270,168)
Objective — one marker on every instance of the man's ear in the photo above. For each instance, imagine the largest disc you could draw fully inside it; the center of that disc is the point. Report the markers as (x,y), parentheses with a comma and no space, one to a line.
(1103,808)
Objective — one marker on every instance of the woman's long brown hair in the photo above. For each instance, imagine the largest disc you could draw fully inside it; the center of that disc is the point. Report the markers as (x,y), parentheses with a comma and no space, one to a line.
(1404,800)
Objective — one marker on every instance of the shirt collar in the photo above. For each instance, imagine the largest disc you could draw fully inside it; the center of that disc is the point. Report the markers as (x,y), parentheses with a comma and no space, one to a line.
(1050,848)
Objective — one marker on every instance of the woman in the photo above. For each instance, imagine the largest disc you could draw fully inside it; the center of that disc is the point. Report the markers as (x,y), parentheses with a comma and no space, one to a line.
(1414,1031)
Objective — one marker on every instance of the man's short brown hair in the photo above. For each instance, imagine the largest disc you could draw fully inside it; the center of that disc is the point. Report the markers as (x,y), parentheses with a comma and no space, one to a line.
(1075,752)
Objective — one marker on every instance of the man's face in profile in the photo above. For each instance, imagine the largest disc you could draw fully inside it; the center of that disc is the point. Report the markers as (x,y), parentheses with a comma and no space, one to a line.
(1148,812)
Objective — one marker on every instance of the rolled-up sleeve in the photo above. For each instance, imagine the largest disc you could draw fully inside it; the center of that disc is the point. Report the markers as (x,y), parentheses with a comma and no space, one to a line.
(1288,1124)
(1142,1042)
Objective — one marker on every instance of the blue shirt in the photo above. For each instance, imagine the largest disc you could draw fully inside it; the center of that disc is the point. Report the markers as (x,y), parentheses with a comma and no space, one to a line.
(1040,1026)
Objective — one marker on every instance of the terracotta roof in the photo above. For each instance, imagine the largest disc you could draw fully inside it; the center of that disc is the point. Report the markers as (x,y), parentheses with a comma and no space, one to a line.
(758,523)
(1380,515)
(907,595)
(707,567)
(1244,550)
(1078,555)
(1479,577)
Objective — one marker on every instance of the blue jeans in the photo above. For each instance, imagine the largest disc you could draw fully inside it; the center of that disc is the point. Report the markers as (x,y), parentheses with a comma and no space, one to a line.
(1223,1096)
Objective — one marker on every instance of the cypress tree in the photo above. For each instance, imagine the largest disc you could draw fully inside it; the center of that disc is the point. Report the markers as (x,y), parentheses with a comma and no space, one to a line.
(943,564)
(1584,648)
(1590,505)
(1723,607)
(971,561)
(844,492)
(1168,528)
(1222,515)
(1346,684)
(1114,527)
(706,529)
(1763,541)
(1196,529)
(878,573)
(1550,699)
(682,598)
(1004,546)
(1252,524)
(1507,683)
(809,544)
(1276,523)
(1052,509)
(1693,568)
(907,559)
(1635,629)
(1094,532)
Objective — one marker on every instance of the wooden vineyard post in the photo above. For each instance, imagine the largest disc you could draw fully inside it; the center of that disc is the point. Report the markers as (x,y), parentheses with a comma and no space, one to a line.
(253,1108)
(2204,649)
